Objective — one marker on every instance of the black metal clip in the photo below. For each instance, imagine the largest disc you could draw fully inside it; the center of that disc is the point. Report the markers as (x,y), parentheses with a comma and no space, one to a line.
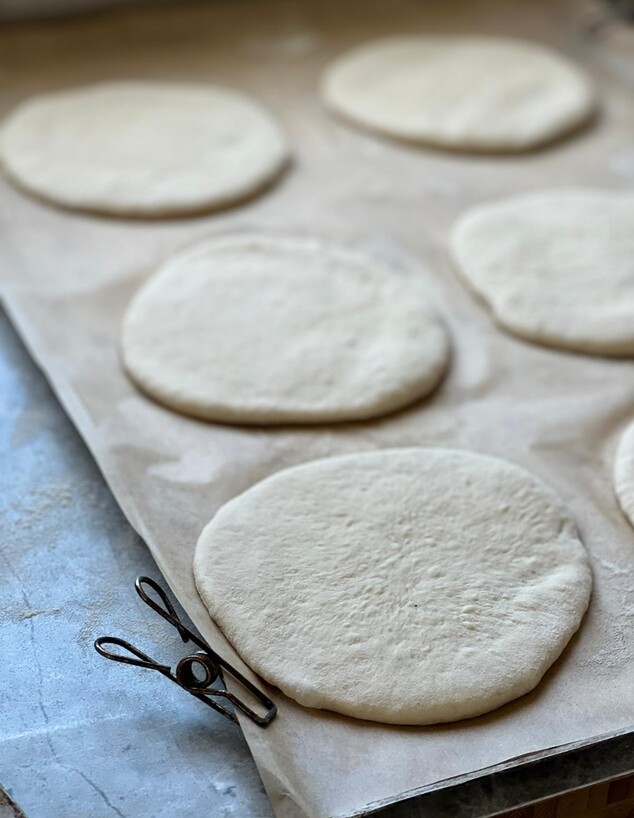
(195,673)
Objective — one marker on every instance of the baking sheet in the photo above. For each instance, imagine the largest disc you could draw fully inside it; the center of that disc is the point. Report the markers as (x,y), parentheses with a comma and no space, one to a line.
(67,278)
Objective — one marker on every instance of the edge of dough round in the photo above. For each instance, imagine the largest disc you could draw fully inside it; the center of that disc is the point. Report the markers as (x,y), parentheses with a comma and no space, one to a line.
(571,560)
(623,474)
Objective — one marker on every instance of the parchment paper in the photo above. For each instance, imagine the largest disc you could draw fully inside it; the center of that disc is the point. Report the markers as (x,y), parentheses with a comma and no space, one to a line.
(67,279)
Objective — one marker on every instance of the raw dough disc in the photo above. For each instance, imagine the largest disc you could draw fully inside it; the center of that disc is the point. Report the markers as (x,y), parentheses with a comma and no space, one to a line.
(624,473)
(142,148)
(254,329)
(464,93)
(556,267)
(406,586)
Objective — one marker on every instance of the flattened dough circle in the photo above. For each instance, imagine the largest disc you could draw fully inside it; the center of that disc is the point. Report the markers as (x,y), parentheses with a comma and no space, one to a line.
(406,586)
(462,93)
(255,329)
(556,267)
(142,148)
(624,473)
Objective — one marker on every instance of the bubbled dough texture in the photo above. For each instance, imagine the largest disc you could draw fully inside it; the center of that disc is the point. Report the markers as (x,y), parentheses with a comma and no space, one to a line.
(624,473)
(471,93)
(142,148)
(406,586)
(555,267)
(266,330)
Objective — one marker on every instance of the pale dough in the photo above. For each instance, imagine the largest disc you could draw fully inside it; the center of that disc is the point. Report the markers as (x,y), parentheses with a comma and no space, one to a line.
(624,473)
(556,267)
(406,586)
(464,93)
(256,329)
(142,148)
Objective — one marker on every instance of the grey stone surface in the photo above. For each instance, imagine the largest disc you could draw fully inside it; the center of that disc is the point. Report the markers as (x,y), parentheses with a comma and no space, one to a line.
(81,736)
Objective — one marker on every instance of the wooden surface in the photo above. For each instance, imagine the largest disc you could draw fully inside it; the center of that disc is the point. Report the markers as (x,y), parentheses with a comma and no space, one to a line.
(612,799)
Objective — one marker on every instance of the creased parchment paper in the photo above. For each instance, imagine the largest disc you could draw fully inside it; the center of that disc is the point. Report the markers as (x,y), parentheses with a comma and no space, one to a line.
(67,279)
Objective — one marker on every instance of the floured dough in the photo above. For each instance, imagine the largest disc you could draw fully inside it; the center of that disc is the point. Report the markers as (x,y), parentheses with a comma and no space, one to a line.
(255,329)
(556,267)
(464,93)
(406,586)
(142,148)
(624,473)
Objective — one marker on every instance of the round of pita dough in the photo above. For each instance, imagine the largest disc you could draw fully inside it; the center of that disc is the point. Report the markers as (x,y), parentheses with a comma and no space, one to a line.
(255,329)
(406,586)
(462,93)
(624,473)
(142,148)
(556,267)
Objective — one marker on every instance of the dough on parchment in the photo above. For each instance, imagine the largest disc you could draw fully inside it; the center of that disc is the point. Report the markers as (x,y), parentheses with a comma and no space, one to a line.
(256,329)
(142,148)
(406,586)
(624,473)
(463,93)
(556,267)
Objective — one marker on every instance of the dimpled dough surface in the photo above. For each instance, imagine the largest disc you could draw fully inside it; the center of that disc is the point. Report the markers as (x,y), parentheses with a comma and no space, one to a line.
(556,267)
(464,93)
(255,329)
(624,473)
(142,148)
(406,586)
